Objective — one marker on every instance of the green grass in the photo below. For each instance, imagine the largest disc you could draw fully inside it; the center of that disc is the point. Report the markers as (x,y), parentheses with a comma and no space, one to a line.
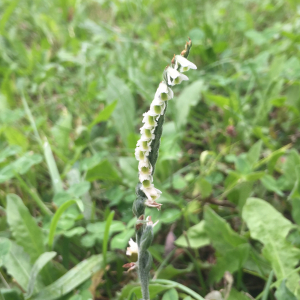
(75,78)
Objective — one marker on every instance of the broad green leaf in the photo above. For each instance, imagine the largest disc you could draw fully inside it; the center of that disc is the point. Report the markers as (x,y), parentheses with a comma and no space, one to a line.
(103,171)
(129,167)
(24,228)
(104,114)
(220,101)
(120,240)
(79,189)
(170,272)
(17,263)
(235,295)
(254,153)
(271,184)
(170,215)
(289,168)
(108,222)
(73,278)
(229,260)
(16,137)
(61,132)
(37,267)
(5,246)
(190,96)
(10,294)
(268,226)
(170,295)
(9,151)
(283,293)
(205,187)
(124,113)
(221,235)
(195,237)
(154,289)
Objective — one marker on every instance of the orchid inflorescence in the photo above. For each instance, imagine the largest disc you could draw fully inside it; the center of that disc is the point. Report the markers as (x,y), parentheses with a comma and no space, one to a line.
(146,153)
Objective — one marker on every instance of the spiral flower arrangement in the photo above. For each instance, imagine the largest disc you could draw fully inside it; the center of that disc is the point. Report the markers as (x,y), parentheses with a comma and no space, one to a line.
(146,153)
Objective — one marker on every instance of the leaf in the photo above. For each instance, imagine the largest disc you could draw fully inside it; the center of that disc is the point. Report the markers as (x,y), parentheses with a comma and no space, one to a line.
(79,189)
(195,237)
(133,288)
(37,267)
(10,294)
(271,184)
(170,215)
(55,220)
(254,153)
(129,167)
(104,114)
(229,260)
(124,113)
(268,226)
(9,151)
(24,228)
(16,137)
(189,97)
(106,236)
(73,278)
(220,101)
(205,187)
(119,241)
(5,246)
(283,293)
(52,167)
(170,272)
(17,264)
(232,250)
(170,295)
(104,171)
(235,295)
(222,236)
(61,132)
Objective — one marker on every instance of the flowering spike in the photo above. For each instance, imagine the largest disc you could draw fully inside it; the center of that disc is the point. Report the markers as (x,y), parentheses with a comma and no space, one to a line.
(146,153)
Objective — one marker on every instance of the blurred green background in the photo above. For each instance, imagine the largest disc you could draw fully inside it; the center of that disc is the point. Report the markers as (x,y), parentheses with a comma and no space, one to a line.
(76,77)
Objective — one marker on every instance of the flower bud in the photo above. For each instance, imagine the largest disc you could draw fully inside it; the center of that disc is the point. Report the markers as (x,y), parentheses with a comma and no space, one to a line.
(138,207)
(146,239)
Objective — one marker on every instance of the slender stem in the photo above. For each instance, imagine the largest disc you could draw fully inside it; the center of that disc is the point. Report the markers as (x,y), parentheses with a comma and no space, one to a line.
(267,287)
(179,286)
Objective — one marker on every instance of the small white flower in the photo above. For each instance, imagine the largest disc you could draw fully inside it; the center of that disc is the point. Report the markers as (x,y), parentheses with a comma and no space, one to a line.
(145,169)
(184,64)
(150,191)
(163,92)
(133,247)
(147,133)
(149,120)
(140,155)
(157,107)
(175,77)
(144,144)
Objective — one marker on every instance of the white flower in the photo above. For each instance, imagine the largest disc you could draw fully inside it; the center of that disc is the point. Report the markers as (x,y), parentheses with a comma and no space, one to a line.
(133,247)
(175,77)
(157,107)
(149,120)
(163,92)
(150,191)
(147,133)
(140,155)
(184,64)
(144,144)
(145,169)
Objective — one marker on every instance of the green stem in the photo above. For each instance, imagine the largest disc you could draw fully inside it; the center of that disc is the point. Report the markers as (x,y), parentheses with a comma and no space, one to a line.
(267,287)
(180,287)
